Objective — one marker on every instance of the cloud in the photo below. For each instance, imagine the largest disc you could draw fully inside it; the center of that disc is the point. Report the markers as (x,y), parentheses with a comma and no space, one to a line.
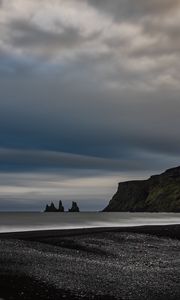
(125,9)
(89,86)
(29,35)
(31,191)
(36,159)
(59,39)
(52,32)
(42,42)
(45,171)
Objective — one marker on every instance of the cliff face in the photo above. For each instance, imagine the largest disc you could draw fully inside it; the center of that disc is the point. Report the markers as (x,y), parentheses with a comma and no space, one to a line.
(159,193)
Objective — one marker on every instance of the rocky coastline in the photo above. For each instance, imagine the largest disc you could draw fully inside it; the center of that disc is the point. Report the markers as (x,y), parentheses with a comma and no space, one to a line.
(159,193)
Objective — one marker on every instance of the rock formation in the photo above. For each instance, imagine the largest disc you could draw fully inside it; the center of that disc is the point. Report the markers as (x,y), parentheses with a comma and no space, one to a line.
(159,193)
(51,208)
(74,207)
(61,207)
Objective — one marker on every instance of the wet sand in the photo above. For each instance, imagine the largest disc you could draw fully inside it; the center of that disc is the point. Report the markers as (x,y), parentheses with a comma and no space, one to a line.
(99,263)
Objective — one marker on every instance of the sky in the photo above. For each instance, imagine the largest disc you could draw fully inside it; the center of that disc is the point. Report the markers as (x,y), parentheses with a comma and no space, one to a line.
(89,97)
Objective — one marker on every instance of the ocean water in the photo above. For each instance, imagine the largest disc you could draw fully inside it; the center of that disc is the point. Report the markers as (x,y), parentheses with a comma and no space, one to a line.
(28,221)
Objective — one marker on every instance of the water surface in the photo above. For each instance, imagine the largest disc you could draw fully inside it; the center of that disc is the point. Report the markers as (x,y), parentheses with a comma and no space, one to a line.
(14,222)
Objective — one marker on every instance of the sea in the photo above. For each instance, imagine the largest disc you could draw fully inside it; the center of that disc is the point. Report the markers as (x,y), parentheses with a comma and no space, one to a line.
(31,221)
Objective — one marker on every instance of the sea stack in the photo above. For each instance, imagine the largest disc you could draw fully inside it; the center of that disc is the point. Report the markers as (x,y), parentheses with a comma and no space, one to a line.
(51,208)
(74,207)
(61,207)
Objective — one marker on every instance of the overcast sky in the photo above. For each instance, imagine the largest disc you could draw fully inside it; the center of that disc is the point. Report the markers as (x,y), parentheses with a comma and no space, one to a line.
(89,96)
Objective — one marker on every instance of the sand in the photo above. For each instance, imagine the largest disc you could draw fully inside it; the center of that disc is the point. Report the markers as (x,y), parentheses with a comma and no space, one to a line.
(107,263)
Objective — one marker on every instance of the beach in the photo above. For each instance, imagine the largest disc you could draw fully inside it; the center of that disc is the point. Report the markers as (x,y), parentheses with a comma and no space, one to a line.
(140,262)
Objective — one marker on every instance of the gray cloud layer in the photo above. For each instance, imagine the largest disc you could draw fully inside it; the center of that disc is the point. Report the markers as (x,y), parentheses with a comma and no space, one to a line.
(129,9)
(89,85)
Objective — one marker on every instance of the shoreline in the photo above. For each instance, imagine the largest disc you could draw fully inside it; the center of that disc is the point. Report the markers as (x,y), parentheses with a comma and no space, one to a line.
(171,231)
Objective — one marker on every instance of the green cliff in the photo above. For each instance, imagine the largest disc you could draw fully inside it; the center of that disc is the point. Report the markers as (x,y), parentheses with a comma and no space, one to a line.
(159,193)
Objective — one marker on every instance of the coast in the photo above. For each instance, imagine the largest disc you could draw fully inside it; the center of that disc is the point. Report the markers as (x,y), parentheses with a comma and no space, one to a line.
(172,231)
(140,262)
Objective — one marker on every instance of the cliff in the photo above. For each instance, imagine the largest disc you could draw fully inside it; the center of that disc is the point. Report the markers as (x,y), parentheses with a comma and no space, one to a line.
(159,193)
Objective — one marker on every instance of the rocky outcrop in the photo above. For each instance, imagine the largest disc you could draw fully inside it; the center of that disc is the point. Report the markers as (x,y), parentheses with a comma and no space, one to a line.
(74,207)
(159,193)
(61,207)
(51,208)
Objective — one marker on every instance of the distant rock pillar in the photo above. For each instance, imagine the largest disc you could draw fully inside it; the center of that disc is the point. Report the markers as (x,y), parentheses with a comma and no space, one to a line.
(51,208)
(74,207)
(61,207)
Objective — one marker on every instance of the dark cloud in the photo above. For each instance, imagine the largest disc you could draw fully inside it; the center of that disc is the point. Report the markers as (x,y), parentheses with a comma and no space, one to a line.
(27,35)
(166,39)
(93,94)
(127,9)
(65,119)
(36,159)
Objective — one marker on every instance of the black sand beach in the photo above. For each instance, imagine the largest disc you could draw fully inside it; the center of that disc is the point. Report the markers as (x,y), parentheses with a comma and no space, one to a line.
(100,263)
